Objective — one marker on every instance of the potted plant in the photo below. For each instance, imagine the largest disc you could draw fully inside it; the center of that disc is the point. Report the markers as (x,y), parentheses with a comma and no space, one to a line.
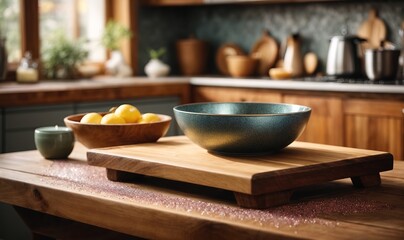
(113,34)
(155,67)
(61,57)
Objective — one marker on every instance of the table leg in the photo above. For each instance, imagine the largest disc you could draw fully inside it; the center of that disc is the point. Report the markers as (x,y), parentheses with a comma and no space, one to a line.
(367,180)
(264,200)
(121,176)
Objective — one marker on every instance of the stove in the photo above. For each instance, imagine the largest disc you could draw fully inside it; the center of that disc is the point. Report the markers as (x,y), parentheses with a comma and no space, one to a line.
(348,80)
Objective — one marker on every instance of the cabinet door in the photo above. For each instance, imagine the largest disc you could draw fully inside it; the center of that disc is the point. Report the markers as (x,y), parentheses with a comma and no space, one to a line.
(374,124)
(325,123)
(163,105)
(219,94)
(1,130)
(20,124)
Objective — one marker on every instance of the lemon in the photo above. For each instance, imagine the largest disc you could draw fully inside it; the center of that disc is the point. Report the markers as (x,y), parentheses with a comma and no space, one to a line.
(149,118)
(128,112)
(112,118)
(93,117)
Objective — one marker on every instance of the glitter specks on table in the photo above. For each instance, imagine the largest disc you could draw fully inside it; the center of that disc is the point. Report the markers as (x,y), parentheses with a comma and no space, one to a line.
(93,179)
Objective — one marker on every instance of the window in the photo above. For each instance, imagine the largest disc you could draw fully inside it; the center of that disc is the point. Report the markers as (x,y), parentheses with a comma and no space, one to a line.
(27,23)
(10,28)
(78,19)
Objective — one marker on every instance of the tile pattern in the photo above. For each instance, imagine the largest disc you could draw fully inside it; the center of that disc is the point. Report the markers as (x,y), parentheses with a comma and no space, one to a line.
(243,24)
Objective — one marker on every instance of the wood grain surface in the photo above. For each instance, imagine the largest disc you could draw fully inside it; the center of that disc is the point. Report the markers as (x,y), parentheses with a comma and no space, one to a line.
(100,89)
(300,164)
(24,182)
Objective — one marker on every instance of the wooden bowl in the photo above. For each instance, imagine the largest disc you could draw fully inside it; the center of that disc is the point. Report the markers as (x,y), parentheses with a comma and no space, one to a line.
(102,135)
(225,50)
(241,66)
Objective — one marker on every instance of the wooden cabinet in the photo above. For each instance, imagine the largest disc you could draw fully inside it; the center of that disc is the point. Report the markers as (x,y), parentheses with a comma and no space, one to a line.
(1,130)
(374,124)
(20,123)
(226,94)
(325,124)
(17,131)
(370,122)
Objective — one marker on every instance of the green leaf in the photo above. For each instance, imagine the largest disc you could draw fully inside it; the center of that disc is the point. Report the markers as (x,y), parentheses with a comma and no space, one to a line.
(113,34)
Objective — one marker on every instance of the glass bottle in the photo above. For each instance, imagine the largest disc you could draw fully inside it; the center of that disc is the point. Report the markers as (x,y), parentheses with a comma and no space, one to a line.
(27,72)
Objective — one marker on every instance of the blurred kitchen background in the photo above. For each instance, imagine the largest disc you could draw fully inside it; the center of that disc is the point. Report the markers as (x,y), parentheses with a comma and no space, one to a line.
(28,26)
(242,24)
(159,24)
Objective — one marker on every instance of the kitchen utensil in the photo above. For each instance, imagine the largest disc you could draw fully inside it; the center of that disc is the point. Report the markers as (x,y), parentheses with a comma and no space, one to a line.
(228,49)
(241,66)
(192,56)
(373,30)
(242,128)
(344,57)
(310,63)
(266,51)
(382,64)
(102,135)
(257,181)
(293,61)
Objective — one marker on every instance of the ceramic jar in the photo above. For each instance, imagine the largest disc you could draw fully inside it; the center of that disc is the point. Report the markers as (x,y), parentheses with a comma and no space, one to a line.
(156,68)
(192,56)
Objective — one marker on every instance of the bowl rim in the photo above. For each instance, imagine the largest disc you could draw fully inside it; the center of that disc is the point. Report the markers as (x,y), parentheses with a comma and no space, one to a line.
(166,118)
(306,109)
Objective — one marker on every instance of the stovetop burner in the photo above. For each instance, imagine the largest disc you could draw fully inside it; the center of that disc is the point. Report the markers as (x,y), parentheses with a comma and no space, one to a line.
(348,80)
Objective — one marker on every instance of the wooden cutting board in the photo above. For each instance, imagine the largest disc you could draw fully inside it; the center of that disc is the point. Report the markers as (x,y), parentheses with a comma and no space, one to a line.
(257,181)
(373,29)
(266,51)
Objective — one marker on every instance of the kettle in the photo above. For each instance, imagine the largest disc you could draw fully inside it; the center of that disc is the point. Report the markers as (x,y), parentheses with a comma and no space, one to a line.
(344,57)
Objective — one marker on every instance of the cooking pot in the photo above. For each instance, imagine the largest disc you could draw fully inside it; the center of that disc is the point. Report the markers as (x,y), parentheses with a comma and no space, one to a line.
(382,64)
(344,57)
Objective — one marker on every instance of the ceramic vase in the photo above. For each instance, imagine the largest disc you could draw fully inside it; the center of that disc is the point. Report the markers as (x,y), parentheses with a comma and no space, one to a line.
(116,65)
(156,68)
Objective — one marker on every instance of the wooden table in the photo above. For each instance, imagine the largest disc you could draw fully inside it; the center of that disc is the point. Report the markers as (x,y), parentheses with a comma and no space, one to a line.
(53,195)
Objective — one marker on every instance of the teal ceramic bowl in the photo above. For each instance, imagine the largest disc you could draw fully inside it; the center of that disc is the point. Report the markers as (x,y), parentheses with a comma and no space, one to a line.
(242,127)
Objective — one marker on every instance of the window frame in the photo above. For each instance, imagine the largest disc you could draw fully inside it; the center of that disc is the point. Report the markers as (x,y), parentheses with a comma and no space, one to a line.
(30,36)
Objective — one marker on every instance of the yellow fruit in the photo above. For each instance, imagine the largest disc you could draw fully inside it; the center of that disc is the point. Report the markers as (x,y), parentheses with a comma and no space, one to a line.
(128,112)
(93,117)
(149,118)
(112,118)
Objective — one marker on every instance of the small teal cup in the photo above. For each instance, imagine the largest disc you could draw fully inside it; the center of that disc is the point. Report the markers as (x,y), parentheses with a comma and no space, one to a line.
(54,142)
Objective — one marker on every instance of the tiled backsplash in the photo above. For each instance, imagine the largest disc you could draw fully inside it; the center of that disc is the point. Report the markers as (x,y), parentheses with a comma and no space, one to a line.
(243,24)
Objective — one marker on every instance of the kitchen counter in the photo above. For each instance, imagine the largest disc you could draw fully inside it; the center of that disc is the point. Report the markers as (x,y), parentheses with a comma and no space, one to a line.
(107,88)
(306,84)
(97,89)
(75,193)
